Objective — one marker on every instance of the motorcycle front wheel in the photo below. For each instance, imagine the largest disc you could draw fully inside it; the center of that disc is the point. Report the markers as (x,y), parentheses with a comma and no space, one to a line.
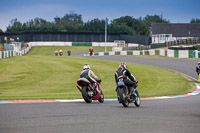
(101,98)
(85,95)
(137,101)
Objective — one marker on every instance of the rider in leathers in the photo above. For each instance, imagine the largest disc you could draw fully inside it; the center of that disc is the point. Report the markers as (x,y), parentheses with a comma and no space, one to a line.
(89,74)
(122,71)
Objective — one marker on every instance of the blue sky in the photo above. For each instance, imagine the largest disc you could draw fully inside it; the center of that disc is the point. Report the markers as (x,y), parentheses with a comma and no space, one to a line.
(177,11)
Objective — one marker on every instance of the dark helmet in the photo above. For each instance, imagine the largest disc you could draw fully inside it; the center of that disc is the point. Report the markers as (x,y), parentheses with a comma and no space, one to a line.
(86,66)
(123,65)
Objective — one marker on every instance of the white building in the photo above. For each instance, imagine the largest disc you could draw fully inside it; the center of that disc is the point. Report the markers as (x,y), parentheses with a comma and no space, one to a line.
(163,32)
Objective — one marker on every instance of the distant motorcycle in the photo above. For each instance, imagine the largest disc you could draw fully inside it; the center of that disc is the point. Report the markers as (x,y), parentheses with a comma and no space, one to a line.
(124,95)
(60,53)
(88,93)
(91,53)
(56,54)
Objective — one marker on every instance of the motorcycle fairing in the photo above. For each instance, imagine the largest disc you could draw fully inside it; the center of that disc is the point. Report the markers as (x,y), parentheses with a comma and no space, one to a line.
(83,82)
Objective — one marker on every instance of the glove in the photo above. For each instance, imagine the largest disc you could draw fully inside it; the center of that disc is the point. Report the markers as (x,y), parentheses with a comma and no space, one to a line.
(99,81)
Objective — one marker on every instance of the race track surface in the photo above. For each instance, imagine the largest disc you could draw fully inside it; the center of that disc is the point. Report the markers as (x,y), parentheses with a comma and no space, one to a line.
(185,66)
(177,115)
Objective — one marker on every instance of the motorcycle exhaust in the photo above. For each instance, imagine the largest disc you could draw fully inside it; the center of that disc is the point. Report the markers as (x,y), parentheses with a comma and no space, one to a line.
(79,88)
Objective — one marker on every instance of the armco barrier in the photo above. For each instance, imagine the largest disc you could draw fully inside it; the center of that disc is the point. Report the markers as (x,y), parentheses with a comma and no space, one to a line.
(168,53)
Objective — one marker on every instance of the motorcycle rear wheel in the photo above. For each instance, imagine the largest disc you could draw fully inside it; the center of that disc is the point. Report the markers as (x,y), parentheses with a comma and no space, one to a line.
(85,95)
(123,98)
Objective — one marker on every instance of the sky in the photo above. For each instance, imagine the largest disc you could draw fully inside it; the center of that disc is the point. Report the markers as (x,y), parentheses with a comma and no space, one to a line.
(176,11)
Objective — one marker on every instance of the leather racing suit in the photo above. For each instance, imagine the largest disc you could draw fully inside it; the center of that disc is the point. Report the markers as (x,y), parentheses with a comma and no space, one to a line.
(123,72)
(89,74)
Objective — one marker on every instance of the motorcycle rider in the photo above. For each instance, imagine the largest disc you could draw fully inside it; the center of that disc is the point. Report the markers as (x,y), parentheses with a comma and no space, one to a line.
(122,71)
(56,53)
(60,52)
(91,51)
(89,74)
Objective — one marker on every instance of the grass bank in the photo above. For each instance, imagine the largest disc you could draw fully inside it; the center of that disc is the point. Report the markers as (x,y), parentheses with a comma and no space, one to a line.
(49,50)
(37,76)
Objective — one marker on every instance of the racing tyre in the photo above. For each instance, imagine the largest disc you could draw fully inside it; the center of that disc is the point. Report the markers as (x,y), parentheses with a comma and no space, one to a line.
(123,97)
(101,98)
(137,101)
(85,95)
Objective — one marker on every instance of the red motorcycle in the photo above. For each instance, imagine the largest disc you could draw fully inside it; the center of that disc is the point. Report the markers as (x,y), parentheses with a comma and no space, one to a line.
(56,53)
(60,53)
(88,93)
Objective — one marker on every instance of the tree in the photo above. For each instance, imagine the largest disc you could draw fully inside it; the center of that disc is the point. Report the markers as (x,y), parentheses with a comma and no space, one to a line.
(148,20)
(94,25)
(15,26)
(72,22)
(195,20)
(1,31)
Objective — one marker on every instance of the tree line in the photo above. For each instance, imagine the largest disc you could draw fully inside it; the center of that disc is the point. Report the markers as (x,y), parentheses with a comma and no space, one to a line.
(73,22)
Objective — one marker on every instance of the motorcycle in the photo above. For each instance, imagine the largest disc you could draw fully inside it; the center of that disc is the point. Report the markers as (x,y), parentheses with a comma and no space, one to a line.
(124,95)
(88,93)
(56,54)
(91,53)
(60,53)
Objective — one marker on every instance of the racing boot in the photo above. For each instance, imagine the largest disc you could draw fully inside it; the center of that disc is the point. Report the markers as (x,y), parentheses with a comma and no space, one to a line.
(94,88)
(132,92)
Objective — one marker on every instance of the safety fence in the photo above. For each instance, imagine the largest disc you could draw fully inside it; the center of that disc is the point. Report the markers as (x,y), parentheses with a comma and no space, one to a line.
(73,37)
(11,53)
(111,44)
(189,41)
(168,53)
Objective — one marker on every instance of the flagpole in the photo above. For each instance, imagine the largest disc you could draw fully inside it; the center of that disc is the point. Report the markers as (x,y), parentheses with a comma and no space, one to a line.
(105,33)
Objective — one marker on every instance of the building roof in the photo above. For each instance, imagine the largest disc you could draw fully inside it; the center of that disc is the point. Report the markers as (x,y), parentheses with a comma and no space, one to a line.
(177,29)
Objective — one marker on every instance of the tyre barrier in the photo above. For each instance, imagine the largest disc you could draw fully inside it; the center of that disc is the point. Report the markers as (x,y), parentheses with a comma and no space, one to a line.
(168,53)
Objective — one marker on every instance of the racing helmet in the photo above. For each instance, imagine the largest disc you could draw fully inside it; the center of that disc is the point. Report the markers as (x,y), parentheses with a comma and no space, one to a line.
(123,65)
(86,66)
(199,63)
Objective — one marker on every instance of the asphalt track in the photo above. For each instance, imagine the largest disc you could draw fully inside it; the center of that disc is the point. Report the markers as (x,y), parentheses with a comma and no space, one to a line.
(177,115)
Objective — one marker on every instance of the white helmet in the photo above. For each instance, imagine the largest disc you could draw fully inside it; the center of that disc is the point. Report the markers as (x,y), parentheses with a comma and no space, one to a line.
(86,66)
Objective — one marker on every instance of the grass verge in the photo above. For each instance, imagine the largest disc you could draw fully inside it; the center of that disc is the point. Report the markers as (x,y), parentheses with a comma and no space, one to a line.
(49,50)
(37,76)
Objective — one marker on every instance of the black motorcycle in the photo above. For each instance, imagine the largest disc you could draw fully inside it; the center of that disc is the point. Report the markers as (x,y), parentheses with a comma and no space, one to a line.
(125,97)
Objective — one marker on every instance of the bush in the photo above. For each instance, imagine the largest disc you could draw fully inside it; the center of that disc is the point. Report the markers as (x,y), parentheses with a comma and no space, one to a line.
(197,47)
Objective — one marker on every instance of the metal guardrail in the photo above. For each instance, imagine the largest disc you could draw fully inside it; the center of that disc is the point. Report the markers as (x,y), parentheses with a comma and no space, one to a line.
(189,41)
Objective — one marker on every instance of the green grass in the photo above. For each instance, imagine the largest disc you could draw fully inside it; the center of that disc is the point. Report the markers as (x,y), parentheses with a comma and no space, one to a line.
(49,50)
(36,76)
